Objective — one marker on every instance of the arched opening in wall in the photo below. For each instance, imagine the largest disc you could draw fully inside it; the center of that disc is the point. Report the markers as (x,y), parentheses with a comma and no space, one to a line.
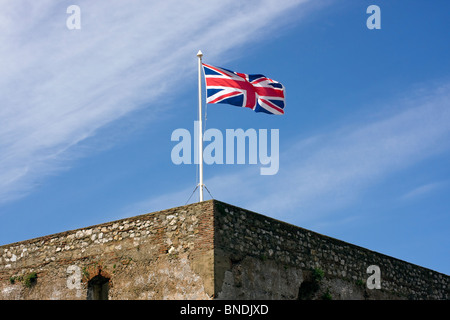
(307,290)
(98,288)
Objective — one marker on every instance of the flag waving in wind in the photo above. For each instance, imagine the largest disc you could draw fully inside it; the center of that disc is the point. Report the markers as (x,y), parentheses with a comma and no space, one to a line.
(253,91)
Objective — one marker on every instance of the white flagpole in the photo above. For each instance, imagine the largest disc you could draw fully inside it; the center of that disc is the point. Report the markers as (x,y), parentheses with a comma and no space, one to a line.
(200,127)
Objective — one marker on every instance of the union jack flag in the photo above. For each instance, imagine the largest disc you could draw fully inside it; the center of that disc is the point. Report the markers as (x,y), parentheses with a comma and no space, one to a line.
(253,91)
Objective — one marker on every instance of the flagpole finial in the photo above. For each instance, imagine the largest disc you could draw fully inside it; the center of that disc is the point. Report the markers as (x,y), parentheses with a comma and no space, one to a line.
(199,53)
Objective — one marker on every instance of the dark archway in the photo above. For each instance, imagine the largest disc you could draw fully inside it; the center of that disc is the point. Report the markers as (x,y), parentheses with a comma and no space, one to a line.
(98,288)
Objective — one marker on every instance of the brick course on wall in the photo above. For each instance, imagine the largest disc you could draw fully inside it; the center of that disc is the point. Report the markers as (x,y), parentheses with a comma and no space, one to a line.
(208,250)
(162,255)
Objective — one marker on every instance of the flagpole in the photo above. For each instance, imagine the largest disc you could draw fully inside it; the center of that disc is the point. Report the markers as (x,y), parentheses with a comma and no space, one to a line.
(200,127)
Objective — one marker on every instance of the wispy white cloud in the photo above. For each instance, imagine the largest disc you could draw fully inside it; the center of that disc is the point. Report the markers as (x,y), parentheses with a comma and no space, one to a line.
(423,190)
(59,86)
(322,174)
(334,169)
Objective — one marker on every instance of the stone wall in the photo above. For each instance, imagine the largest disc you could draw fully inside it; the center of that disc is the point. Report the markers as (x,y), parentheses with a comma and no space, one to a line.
(204,250)
(260,257)
(162,255)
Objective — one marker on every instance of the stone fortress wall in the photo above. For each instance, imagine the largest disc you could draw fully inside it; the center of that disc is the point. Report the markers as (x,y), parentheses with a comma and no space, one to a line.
(162,255)
(207,250)
(299,263)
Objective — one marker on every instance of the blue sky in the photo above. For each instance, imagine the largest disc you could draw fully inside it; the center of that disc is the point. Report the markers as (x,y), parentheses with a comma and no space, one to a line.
(86,116)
